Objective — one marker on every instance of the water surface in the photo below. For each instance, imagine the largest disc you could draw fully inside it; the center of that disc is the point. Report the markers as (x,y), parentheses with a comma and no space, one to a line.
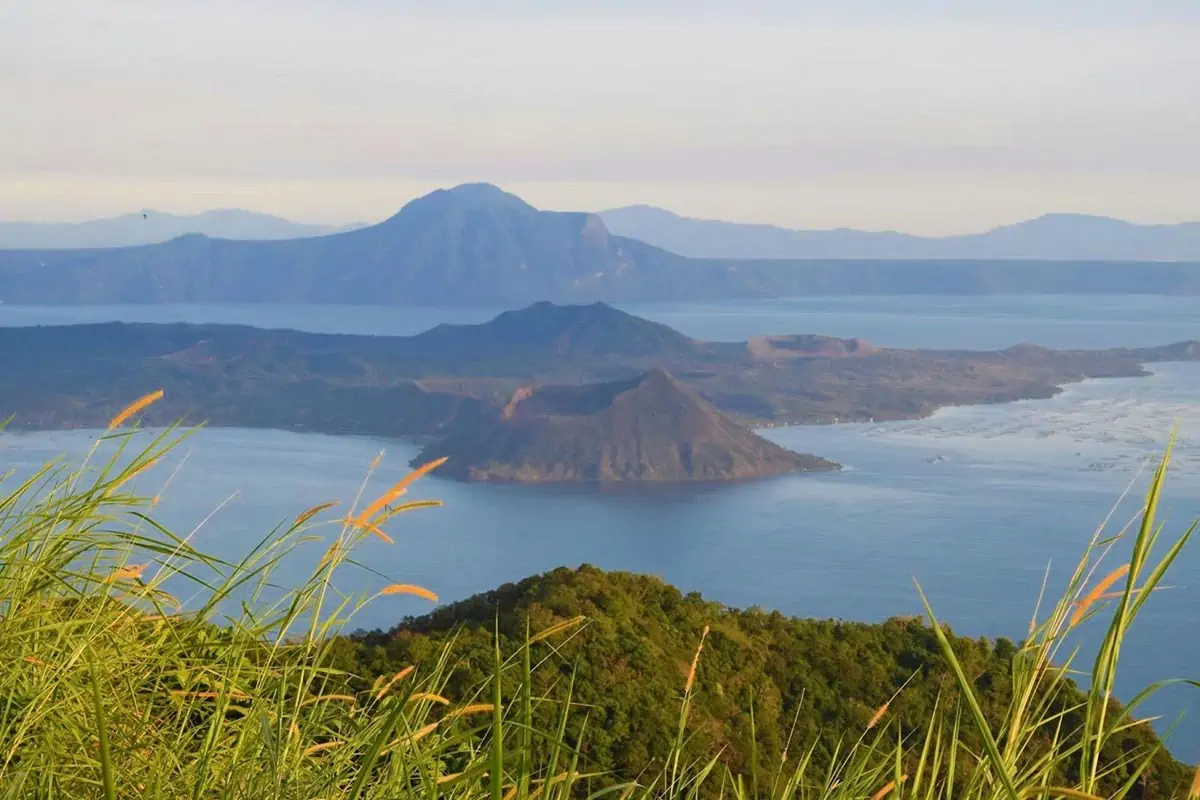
(912,321)
(973,502)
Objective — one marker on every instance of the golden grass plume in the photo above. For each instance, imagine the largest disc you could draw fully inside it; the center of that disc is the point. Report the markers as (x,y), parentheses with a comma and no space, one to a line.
(397,490)
(1097,591)
(133,408)
(887,788)
(325,698)
(399,676)
(305,516)
(557,627)
(372,529)
(128,572)
(408,588)
(322,747)
(412,738)
(691,678)
(431,697)
(127,477)
(474,708)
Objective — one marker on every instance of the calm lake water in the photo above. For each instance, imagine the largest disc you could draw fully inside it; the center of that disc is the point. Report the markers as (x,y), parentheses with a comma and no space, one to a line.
(973,502)
(981,322)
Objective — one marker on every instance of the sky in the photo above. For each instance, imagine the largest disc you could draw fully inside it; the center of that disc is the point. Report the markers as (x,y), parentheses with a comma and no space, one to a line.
(922,116)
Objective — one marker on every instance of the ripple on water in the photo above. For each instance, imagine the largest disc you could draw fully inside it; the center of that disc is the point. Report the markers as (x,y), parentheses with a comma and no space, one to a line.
(1095,426)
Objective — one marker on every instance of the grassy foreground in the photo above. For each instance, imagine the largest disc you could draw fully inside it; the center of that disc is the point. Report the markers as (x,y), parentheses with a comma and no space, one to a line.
(137,666)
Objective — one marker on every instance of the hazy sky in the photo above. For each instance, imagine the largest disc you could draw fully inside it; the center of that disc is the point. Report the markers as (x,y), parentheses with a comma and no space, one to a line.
(924,116)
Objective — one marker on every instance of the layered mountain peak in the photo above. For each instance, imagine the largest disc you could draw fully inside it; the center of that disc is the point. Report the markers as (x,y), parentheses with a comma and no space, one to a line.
(476,244)
(545,316)
(464,198)
(597,328)
(548,330)
(480,190)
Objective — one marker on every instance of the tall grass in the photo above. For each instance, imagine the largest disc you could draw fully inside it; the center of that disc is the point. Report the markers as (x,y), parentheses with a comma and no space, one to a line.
(136,665)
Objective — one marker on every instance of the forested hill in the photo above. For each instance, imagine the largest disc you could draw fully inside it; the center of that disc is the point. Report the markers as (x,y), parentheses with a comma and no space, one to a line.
(629,662)
(477,245)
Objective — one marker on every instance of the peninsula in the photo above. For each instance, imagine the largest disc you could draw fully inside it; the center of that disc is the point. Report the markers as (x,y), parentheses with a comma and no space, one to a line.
(546,392)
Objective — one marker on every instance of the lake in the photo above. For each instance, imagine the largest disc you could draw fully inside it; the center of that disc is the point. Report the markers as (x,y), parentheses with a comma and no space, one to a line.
(910,321)
(973,502)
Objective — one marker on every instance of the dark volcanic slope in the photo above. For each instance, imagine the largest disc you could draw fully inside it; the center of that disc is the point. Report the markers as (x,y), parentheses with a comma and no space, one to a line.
(477,245)
(650,428)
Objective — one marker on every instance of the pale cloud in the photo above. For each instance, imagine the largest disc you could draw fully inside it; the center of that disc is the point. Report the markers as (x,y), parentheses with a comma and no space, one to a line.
(937,117)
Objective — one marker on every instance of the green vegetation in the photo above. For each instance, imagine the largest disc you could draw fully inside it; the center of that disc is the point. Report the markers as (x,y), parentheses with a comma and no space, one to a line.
(813,685)
(138,666)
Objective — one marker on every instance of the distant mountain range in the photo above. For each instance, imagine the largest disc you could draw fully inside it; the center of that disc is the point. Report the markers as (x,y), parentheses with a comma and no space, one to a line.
(1053,237)
(475,245)
(150,227)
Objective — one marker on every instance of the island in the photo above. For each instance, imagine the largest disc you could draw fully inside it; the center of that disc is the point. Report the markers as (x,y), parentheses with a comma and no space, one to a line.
(545,392)
(647,428)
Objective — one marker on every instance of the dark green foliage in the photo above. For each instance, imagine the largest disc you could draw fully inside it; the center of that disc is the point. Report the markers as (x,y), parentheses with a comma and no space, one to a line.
(815,681)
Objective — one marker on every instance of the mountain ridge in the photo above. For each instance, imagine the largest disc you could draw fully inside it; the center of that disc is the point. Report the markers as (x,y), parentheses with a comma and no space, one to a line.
(476,245)
(121,230)
(1057,236)
(149,226)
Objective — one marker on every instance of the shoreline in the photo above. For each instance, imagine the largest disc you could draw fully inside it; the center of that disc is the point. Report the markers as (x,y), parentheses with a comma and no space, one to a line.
(1057,391)
(420,440)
